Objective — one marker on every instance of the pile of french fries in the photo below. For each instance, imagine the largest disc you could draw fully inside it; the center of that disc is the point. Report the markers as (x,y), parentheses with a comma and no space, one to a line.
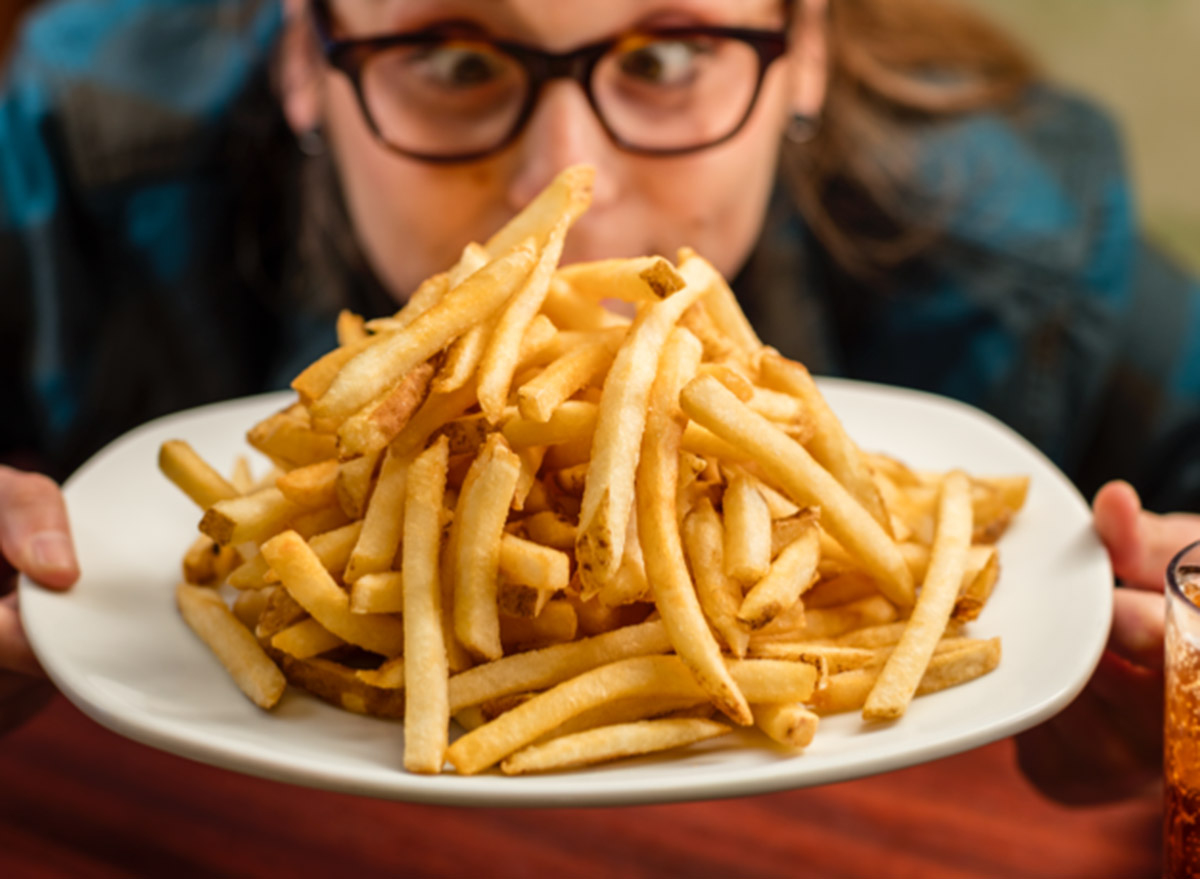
(581,535)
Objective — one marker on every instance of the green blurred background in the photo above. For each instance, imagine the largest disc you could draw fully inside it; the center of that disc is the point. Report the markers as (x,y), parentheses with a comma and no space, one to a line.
(1141,60)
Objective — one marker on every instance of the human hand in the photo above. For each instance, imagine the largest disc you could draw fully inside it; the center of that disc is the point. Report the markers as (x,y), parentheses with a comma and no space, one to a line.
(1108,743)
(35,540)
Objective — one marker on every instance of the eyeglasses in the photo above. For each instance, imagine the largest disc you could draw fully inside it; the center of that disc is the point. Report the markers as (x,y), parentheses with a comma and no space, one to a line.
(445,96)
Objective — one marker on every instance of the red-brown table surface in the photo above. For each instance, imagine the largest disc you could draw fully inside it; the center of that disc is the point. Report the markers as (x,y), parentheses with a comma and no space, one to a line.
(79,801)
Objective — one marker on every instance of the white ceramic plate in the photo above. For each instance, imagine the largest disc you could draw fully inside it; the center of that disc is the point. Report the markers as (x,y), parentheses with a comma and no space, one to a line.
(119,650)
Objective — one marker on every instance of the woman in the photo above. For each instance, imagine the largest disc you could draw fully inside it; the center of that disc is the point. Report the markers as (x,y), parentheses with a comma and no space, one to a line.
(938,219)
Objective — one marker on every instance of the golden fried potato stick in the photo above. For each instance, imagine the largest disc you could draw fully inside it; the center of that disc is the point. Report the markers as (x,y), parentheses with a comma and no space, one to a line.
(355,480)
(793,571)
(482,511)
(830,445)
(207,563)
(319,375)
(762,680)
(465,352)
(848,690)
(611,743)
(572,420)
(788,723)
(250,518)
(381,592)
(192,474)
(720,595)
(538,398)
(747,520)
(305,639)
(428,293)
(307,581)
(503,352)
(374,370)
(658,529)
(641,279)
(232,643)
(426,704)
(792,468)
(719,300)
(797,623)
(380,422)
(383,522)
(569,193)
(538,669)
(609,494)
(902,674)
(311,486)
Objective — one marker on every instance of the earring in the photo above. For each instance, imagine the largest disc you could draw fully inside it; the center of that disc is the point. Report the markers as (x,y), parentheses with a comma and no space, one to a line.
(311,143)
(801,128)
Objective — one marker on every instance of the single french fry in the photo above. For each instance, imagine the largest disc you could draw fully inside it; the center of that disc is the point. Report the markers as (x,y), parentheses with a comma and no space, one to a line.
(550,529)
(538,398)
(355,480)
(381,592)
(720,595)
(573,420)
(503,351)
(207,563)
(556,624)
(249,518)
(383,522)
(830,445)
(611,743)
(350,327)
(531,462)
(192,474)
(249,606)
(307,581)
(380,421)
(389,676)
(747,520)
(543,668)
(427,707)
(311,486)
(790,466)
(788,723)
(377,368)
(902,674)
(232,643)
(571,312)
(568,194)
(762,680)
(620,423)
(792,572)
(288,439)
(305,639)
(317,376)
(848,691)
(483,509)
(829,622)
(666,567)
(718,299)
(641,279)
(530,564)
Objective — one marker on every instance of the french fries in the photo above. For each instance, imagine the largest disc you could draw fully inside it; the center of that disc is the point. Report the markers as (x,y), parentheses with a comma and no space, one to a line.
(509,506)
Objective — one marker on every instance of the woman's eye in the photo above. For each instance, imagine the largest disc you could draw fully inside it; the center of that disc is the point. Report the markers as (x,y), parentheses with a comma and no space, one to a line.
(664,62)
(459,67)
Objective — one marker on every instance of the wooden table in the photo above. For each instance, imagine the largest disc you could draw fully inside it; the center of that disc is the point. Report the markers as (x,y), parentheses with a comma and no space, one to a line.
(79,801)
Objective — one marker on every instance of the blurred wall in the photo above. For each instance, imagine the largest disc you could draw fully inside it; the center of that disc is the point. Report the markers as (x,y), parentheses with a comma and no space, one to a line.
(1141,60)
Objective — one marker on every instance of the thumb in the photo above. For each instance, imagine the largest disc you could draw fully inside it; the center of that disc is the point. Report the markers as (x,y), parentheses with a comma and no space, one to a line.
(1140,544)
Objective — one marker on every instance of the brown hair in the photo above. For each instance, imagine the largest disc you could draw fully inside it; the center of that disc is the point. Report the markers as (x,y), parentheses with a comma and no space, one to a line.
(894,66)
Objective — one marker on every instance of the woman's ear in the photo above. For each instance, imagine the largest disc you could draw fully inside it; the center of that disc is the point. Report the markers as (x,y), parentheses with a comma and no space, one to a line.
(808,57)
(299,70)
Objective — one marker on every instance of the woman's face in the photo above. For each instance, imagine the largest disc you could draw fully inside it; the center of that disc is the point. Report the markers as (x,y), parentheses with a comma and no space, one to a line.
(414,217)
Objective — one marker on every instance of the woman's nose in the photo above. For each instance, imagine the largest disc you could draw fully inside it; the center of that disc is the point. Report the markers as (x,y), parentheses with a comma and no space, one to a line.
(563,131)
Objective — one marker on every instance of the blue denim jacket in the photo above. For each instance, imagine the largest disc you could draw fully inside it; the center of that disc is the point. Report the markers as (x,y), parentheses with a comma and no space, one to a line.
(122,292)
